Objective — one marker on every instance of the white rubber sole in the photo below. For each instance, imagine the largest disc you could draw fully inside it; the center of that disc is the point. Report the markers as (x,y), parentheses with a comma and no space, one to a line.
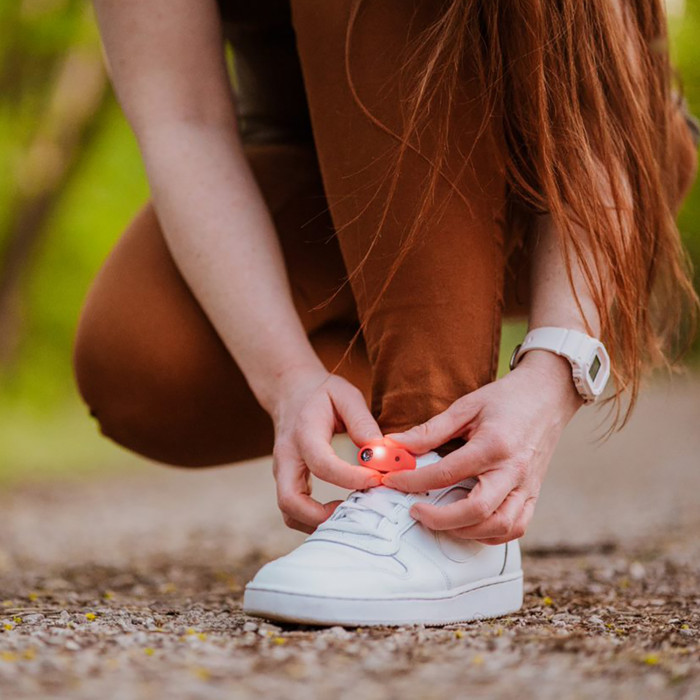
(487,598)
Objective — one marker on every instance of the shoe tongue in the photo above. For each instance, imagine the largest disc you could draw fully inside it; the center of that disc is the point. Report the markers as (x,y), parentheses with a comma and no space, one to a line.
(426,459)
(378,491)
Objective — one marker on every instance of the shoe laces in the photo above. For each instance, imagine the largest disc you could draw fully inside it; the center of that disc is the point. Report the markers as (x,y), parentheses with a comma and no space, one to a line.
(364,511)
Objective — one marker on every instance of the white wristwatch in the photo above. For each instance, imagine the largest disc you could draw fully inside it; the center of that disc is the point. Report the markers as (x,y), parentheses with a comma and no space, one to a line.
(590,363)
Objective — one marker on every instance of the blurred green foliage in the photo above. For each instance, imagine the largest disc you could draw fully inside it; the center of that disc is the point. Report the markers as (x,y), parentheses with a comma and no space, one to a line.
(685,47)
(43,427)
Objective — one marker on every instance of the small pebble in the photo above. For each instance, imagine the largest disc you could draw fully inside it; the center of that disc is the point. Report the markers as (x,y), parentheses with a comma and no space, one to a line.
(637,571)
(33,618)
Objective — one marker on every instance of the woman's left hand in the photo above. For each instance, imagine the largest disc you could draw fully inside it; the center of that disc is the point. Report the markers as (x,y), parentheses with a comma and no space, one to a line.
(512,427)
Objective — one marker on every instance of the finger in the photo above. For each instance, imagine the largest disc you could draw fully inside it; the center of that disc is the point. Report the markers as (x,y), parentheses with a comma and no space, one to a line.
(301,507)
(483,500)
(297,525)
(304,527)
(472,459)
(439,429)
(501,523)
(356,417)
(319,457)
(294,493)
(520,527)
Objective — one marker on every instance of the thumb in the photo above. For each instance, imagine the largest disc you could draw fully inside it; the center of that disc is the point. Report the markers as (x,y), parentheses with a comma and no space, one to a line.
(440,428)
(329,508)
(356,417)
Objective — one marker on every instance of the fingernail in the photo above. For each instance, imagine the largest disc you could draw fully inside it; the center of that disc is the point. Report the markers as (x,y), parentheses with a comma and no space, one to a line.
(413,512)
(375,481)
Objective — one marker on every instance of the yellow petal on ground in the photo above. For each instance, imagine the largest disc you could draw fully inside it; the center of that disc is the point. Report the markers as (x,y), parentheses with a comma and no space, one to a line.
(204,674)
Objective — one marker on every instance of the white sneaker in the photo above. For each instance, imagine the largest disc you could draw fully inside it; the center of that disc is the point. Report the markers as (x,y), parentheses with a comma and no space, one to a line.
(371,563)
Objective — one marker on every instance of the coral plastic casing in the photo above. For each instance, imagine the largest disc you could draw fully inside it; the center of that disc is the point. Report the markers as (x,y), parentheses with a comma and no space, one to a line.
(385,455)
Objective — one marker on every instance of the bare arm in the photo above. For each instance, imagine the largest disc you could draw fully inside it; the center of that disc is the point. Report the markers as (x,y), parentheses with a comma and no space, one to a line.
(167,64)
(553,303)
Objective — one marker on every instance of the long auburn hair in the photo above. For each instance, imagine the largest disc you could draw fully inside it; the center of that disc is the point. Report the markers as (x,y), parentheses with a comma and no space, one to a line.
(581,95)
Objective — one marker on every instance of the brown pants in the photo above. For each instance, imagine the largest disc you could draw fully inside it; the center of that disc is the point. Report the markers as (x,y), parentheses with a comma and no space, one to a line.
(151,366)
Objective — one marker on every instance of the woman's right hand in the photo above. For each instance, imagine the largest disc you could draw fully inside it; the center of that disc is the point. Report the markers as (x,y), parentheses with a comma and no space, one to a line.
(314,406)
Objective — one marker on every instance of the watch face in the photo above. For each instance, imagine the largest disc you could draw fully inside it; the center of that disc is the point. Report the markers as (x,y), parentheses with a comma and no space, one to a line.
(598,372)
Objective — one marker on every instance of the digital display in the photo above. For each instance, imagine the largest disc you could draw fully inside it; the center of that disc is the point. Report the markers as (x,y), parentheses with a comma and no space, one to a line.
(595,368)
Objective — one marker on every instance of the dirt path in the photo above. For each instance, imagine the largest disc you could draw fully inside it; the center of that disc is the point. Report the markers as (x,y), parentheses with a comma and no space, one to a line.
(130,588)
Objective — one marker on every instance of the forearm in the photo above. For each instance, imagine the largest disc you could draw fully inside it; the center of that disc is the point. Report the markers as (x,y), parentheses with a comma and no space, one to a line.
(168,69)
(223,240)
(553,299)
(561,302)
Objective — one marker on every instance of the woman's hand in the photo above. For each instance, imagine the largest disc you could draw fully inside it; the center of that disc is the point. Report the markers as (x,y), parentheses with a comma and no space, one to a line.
(512,427)
(315,406)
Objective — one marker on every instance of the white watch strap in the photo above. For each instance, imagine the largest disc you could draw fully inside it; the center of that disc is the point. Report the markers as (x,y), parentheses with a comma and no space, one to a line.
(562,341)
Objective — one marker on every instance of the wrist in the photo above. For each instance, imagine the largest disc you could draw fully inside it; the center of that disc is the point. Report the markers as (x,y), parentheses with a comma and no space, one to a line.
(554,377)
(282,384)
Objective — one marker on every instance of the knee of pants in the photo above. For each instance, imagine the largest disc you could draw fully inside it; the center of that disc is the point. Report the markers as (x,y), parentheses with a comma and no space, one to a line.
(122,407)
(165,415)
(112,415)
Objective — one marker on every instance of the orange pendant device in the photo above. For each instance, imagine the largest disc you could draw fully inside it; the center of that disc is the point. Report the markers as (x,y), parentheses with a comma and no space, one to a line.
(385,455)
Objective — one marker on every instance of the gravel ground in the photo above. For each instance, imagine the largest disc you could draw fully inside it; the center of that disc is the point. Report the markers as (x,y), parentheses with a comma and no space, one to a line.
(131,587)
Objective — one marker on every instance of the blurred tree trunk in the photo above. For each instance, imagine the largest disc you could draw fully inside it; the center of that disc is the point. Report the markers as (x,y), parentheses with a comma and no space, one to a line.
(78,95)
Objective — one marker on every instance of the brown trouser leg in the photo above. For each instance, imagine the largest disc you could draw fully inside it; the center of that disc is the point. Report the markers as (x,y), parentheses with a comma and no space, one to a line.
(434,335)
